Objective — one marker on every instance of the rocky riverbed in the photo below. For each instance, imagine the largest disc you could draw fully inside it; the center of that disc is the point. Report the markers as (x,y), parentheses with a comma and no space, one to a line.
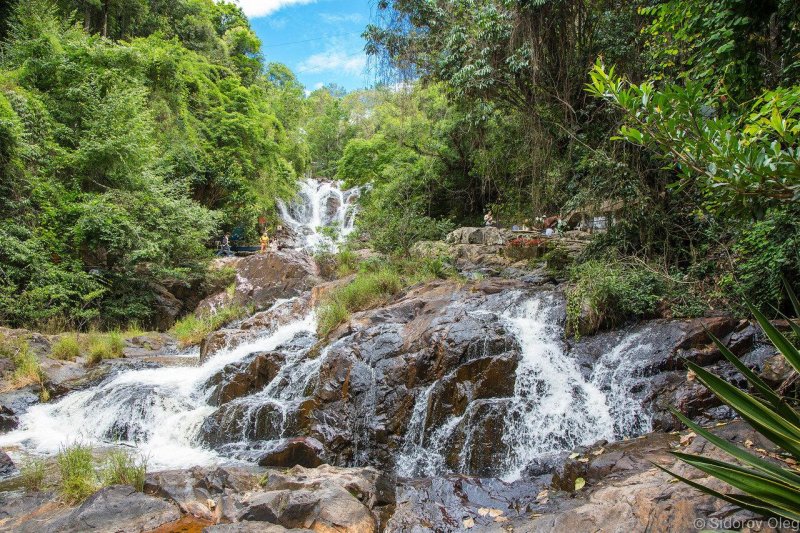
(458,405)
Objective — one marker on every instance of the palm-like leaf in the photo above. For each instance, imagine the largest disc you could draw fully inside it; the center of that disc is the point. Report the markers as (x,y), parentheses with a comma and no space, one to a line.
(767,488)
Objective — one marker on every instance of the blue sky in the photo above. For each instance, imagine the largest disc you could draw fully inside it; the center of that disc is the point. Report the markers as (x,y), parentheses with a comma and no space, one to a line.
(320,40)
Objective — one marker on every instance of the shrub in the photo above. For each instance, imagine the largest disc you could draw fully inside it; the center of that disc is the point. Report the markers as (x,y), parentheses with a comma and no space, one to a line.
(192,329)
(605,294)
(66,348)
(32,473)
(78,478)
(123,469)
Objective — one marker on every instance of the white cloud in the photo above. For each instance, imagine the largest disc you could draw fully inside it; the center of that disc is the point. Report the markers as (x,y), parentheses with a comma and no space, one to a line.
(262,8)
(331,18)
(333,59)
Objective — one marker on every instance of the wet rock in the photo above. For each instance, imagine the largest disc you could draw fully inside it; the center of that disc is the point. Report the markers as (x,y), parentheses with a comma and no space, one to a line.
(303,451)
(444,504)
(261,279)
(245,377)
(118,508)
(6,465)
(260,323)
(8,420)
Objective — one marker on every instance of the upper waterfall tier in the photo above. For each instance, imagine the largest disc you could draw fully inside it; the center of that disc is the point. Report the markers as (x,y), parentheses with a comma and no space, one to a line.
(321,215)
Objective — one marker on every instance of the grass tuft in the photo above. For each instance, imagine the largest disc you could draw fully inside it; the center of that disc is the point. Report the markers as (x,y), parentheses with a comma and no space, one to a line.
(67,348)
(78,477)
(192,329)
(122,468)
(32,474)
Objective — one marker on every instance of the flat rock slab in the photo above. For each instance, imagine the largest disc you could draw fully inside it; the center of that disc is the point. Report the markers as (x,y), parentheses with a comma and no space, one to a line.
(118,508)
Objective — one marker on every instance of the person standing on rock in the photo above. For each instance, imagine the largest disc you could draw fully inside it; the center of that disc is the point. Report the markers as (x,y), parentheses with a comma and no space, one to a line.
(225,246)
(488,219)
(264,242)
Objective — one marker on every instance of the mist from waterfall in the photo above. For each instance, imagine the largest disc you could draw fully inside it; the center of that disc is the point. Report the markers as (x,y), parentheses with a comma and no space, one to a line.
(322,215)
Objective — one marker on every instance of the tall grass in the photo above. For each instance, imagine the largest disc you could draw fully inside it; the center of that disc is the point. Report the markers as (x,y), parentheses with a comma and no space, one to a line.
(32,474)
(101,346)
(123,469)
(67,348)
(192,329)
(78,477)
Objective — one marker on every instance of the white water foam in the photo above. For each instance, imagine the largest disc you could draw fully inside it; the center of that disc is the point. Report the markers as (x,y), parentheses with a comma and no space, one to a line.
(321,205)
(159,411)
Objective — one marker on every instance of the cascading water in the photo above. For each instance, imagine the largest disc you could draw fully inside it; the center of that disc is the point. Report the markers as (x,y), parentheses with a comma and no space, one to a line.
(322,214)
(158,410)
(554,407)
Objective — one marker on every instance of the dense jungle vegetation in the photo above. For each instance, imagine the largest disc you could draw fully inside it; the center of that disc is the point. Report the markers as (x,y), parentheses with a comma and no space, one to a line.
(132,132)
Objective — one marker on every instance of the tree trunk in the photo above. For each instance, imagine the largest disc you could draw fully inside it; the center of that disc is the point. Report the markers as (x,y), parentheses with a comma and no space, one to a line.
(87,19)
(105,18)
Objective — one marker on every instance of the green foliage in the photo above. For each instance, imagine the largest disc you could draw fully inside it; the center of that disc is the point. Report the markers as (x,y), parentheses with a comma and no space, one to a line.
(32,472)
(66,348)
(120,159)
(739,163)
(192,329)
(27,369)
(606,293)
(78,477)
(766,487)
(121,468)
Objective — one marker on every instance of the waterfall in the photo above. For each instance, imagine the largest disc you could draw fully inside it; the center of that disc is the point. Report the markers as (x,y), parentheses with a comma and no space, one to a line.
(322,214)
(554,407)
(157,410)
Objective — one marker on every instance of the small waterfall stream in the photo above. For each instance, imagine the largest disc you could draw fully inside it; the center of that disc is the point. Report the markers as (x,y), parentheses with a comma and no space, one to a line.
(323,214)
(555,407)
(158,410)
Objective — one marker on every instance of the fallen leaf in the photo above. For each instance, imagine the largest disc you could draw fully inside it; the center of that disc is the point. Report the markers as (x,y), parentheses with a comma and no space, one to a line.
(483,511)
(690,375)
(501,519)
(598,452)
(541,495)
(583,460)
(469,523)
(748,443)
(574,455)
(687,439)
(580,483)
(494,513)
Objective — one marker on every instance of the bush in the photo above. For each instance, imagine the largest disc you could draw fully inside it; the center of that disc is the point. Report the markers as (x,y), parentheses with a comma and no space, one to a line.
(66,348)
(605,294)
(78,478)
(192,329)
(32,474)
(123,469)
(27,369)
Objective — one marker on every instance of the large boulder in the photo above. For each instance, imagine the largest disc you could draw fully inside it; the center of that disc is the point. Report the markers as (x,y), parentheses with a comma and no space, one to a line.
(262,279)
(118,508)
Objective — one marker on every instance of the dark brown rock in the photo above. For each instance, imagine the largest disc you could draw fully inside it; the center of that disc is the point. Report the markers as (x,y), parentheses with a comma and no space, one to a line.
(8,420)
(261,279)
(303,451)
